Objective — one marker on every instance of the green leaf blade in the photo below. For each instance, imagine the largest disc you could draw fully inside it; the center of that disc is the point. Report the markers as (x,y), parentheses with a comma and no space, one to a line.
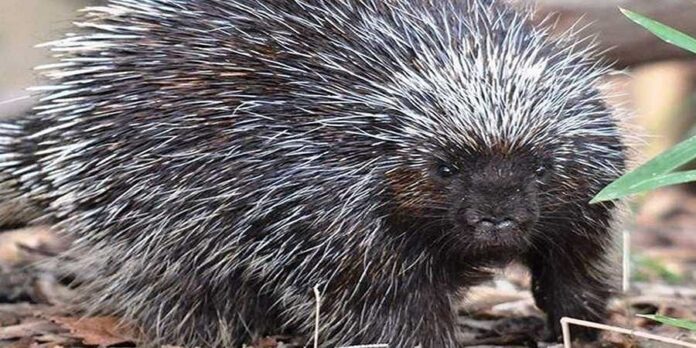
(653,174)
(664,32)
(680,323)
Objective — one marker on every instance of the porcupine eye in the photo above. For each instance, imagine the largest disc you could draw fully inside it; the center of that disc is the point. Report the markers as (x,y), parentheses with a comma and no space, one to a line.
(540,171)
(445,171)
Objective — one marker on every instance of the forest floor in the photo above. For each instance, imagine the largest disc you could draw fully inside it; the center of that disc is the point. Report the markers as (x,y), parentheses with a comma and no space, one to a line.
(501,313)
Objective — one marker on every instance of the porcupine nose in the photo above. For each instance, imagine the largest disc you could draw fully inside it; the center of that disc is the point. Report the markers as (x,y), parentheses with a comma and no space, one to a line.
(496,224)
(491,223)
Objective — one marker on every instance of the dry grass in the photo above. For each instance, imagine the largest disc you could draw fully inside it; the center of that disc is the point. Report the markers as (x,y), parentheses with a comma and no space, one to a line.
(567,339)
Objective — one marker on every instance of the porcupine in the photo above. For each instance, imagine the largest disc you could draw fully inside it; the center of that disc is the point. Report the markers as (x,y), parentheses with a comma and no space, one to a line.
(215,160)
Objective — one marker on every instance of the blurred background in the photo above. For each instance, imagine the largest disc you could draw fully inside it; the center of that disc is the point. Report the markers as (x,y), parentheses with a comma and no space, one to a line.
(655,83)
(23,25)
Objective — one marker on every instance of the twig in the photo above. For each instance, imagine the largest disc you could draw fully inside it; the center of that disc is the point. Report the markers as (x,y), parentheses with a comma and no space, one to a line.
(565,321)
(317,296)
(626,276)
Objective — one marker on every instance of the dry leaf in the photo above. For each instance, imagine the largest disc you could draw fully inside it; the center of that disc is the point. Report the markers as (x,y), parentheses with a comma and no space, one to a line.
(28,329)
(98,331)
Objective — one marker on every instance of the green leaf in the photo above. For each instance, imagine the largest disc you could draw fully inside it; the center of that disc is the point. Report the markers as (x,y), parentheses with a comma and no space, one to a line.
(666,33)
(653,174)
(657,182)
(680,323)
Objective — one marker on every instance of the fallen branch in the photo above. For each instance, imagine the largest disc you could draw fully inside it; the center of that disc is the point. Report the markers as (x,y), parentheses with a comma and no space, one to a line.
(565,326)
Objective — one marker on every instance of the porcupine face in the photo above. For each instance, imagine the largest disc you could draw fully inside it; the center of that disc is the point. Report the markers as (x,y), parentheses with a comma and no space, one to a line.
(484,179)
(498,129)
(492,201)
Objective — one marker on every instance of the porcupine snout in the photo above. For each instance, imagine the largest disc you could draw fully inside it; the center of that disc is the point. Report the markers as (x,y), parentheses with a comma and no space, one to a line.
(500,208)
(499,203)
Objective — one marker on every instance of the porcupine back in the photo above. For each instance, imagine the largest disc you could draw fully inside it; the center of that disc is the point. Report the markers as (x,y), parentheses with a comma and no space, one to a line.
(204,152)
